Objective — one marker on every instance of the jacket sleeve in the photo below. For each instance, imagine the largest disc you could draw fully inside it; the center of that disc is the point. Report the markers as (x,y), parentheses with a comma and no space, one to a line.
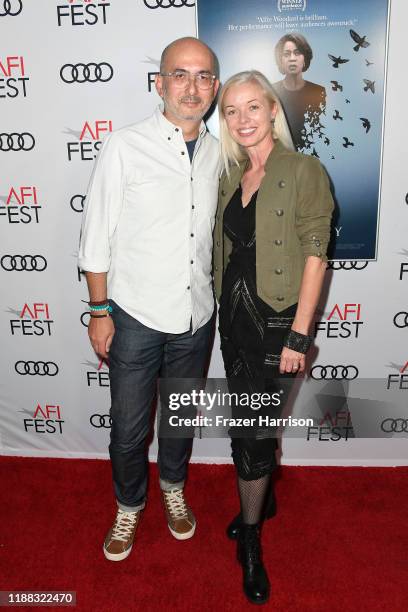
(314,207)
(102,208)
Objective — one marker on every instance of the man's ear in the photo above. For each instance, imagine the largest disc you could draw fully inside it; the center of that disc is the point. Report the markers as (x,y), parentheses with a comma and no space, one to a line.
(158,81)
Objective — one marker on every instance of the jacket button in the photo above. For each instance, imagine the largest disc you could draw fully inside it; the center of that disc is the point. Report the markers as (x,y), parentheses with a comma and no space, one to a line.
(280,298)
(223,192)
(317,243)
(278,242)
(279,212)
(278,271)
(218,243)
(282,184)
(319,254)
(216,268)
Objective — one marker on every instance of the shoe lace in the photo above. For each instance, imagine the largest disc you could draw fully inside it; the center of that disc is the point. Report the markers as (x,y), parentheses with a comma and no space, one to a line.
(176,503)
(124,525)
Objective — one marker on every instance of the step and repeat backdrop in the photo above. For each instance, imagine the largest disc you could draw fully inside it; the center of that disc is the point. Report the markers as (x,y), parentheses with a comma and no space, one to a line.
(70,73)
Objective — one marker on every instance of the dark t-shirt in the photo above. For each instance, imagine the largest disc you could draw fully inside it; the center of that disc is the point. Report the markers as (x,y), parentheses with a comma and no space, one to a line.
(303,109)
(190,144)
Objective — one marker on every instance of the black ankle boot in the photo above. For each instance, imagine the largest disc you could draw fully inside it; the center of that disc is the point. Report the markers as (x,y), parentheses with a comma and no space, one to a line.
(255,579)
(234,527)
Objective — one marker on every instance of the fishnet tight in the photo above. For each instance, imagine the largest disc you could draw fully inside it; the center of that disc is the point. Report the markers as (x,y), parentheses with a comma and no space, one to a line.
(252,496)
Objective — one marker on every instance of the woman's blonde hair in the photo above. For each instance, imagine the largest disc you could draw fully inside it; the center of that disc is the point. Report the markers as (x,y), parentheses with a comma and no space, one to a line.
(232,152)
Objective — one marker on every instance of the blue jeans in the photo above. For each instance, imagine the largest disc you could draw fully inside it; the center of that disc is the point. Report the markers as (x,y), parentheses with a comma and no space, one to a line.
(138,356)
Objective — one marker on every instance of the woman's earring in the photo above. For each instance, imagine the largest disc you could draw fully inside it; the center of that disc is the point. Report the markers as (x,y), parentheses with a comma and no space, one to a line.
(273,122)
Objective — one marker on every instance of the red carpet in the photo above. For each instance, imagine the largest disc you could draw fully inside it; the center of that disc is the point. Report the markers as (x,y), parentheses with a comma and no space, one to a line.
(338,543)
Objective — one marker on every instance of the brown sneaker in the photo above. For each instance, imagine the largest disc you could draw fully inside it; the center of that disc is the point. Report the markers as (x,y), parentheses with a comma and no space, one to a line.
(119,541)
(180,517)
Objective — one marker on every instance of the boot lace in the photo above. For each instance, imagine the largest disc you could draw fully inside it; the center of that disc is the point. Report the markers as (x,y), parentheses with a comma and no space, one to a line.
(176,503)
(124,525)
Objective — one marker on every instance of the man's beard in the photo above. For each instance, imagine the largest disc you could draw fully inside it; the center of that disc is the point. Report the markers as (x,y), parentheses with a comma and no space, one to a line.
(179,113)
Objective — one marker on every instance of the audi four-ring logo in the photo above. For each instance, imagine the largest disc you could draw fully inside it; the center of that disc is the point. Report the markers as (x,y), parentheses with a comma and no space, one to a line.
(347,265)
(86,73)
(77,203)
(154,4)
(394,425)
(23,263)
(101,420)
(337,372)
(10,7)
(16,142)
(36,368)
(401,319)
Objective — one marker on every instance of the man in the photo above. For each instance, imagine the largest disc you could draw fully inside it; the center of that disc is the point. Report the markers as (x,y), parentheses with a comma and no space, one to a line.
(146,244)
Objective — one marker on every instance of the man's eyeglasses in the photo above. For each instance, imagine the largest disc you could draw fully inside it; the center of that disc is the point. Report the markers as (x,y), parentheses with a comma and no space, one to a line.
(204,80)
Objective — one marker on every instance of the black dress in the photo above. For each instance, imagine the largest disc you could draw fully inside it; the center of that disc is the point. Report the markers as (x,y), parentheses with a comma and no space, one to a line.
(252,335)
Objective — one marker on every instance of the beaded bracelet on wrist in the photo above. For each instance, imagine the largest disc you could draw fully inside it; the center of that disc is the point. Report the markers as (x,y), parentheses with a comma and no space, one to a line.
(99,308)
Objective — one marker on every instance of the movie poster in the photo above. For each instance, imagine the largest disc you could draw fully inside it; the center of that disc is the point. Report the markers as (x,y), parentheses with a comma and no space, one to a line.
(327,62)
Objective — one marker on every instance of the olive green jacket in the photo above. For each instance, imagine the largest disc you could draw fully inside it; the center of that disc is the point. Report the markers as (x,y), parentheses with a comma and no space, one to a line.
(293,215)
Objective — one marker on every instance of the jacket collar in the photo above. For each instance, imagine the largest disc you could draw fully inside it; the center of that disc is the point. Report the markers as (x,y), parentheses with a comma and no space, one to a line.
(236,172)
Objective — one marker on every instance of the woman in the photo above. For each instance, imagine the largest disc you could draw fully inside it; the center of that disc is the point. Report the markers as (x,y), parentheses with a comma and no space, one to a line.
(271,233)
(302,101)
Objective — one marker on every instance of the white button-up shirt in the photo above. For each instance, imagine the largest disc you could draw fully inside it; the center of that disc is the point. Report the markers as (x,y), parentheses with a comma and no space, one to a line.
(148,222)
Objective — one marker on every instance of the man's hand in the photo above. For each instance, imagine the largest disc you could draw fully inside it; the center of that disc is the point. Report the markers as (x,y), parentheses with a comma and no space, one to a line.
(291,361)
(101,331)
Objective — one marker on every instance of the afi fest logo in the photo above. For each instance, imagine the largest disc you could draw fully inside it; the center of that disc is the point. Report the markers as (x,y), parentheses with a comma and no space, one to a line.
(403,265)
(399,380)
(89,140)
(332,428)
(13,79)
(151,75)
(21,205)
(347,325)
(82,13)
(45,420)
(98,376)
(33,320)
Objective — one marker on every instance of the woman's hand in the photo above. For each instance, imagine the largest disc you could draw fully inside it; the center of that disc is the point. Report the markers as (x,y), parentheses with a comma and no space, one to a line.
(291,361)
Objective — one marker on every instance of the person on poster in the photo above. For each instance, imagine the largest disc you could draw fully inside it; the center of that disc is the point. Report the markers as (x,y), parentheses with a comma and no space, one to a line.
(303,101)
(146,248)
(271,235)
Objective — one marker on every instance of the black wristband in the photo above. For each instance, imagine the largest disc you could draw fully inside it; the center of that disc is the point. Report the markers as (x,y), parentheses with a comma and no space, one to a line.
(298,342)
